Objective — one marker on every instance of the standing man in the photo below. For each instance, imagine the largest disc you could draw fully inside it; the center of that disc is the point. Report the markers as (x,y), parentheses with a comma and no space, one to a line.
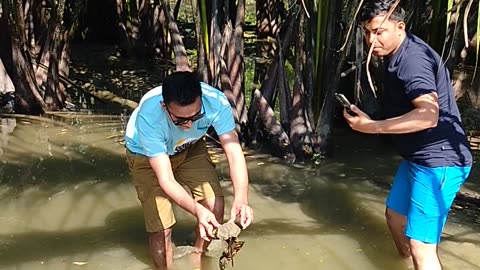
(422,116)
(165,148)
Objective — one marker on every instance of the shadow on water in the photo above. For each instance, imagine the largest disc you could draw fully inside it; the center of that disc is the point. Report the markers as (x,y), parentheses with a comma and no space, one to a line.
(330,194)
(338,195)
(53,171)
(40,245)
(122,228)
(43,160)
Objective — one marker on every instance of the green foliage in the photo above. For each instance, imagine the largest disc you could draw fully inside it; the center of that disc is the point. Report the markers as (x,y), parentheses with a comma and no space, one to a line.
(249,75)
(192,57)
(321,24)
(204,19)
(290,72)
(449,14)
(250,17)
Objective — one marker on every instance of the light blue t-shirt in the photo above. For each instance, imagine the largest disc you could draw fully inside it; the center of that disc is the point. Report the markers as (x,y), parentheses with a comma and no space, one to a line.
(150,131)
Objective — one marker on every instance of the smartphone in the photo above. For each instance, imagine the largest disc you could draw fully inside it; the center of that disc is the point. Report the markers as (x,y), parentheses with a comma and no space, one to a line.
(345,103)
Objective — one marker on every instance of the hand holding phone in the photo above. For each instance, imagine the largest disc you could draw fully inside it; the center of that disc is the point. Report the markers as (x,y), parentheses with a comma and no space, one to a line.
(345,103)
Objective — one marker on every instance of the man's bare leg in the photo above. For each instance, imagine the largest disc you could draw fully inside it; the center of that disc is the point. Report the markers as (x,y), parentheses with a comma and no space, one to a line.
(397,223)
(160,244)
(425,256)
(215,205)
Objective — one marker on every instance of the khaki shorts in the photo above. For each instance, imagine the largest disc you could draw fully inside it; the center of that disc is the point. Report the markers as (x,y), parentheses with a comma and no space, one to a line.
(192,167)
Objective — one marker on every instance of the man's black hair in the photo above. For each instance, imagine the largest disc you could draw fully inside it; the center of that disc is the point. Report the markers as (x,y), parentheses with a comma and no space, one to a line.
(373,8)
(181,87)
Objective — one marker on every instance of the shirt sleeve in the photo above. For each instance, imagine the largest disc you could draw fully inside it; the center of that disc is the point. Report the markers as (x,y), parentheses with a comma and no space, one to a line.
(418,73)
(224,121)
(150,134)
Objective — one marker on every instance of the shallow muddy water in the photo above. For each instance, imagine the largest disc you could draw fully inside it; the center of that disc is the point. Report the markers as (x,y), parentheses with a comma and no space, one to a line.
(66,202)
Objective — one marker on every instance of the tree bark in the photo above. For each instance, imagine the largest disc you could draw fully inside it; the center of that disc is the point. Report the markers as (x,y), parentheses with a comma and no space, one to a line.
(123,34)
(268,86)
(299,132)
(215,41)
(236,65)
(280,139)
(324,124)
(284,94)
(176,9)
(27,97)
(268,26)
(181,59)
(269,82)
(53,96)
(202,67)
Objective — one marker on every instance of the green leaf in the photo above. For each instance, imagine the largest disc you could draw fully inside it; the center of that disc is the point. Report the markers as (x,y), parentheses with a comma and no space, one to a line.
(449,14)
(203,14)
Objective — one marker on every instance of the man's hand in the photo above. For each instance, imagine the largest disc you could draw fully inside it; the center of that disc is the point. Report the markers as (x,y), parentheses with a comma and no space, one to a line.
(206,222)
(361,122)
(243,211)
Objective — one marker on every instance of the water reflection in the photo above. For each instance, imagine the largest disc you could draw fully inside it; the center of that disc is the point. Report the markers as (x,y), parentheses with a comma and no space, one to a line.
(7,126)
(66,203)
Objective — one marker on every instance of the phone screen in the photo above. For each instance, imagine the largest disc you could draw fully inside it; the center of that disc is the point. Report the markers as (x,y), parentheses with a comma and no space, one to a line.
(343,100)
(345,103)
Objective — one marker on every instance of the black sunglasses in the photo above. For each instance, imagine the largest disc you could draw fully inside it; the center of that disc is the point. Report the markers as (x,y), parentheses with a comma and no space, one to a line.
(180,121)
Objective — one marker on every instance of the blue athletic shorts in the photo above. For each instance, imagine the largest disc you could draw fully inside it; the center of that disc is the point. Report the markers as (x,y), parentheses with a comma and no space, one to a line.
(424,195)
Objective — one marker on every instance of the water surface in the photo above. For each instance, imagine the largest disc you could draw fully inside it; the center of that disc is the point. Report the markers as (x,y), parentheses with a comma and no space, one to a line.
(66,202)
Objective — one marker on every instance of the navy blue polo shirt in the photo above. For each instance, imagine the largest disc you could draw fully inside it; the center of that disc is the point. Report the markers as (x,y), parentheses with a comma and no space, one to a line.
(414,70)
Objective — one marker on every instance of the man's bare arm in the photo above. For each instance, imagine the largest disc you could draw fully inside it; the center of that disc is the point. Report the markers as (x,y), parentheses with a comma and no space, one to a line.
(163,170)
(238,173)
(423,116)
(237,166)
(205,218)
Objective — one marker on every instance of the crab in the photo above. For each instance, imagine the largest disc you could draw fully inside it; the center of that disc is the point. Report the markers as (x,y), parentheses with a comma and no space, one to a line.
(229,232)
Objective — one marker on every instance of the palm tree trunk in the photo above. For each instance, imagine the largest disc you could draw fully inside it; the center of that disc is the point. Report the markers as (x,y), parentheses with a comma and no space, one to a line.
(181,59)
(268,26)
(335,35)
(54,98)
(281,142)
(201,30)
(284,94)
(28,98)
(299,131)
(237,64)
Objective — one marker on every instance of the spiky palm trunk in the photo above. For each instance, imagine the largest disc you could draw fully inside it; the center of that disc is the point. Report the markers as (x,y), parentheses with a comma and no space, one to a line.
(28,97)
